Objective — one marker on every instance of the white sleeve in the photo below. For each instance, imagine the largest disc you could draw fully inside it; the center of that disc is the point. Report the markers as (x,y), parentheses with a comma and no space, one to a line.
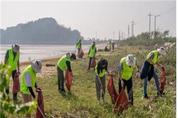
(28,80)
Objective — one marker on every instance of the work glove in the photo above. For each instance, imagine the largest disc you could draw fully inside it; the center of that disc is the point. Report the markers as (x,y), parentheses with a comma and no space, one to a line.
(38,89)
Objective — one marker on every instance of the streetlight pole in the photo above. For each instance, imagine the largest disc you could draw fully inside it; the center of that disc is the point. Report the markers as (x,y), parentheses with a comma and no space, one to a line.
(128,31)
(149,15)
(132,27)
(155,25)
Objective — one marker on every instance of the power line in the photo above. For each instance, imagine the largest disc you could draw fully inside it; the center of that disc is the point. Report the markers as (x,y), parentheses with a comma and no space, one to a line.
(167,11)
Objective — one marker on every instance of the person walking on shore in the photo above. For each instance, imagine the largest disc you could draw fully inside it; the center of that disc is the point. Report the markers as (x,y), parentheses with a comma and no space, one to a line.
(28,81)
(79,46)
(148,69)
(12,62)
(91,54)
(126,69)
(64,64)
(100,81)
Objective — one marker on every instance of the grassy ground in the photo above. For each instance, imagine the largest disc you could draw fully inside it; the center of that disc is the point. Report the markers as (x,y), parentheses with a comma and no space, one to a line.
(82,103)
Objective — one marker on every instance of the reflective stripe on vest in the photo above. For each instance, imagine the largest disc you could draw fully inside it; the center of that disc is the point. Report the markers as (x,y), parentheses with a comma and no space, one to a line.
(23,85)
(11,61)
(155,58)
(92,51)
(62,62)
(101,74)
(126,72)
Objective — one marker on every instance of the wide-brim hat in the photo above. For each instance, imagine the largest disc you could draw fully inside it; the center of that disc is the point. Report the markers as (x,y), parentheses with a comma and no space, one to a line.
(36,65)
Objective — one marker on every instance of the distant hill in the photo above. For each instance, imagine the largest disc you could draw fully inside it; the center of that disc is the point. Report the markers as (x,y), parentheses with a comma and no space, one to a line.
(41,31)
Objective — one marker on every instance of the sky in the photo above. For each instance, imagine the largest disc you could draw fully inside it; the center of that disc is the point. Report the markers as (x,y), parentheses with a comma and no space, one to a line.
(99,19)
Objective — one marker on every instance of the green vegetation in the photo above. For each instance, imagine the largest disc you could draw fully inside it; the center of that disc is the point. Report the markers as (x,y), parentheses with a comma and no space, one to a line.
(7,108)
(82,101)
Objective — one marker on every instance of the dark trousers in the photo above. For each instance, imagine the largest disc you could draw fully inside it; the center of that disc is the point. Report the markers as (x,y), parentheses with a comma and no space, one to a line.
(7,88)
(147,73)
(78,50)
(60,76)
(89,64)
(100,87)
(13,77)
(129,85)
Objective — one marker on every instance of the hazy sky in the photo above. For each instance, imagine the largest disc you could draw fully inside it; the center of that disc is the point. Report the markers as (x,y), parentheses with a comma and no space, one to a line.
(93,18)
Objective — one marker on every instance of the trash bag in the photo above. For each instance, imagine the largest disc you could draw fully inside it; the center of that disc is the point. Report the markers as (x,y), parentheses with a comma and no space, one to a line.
(16,84)
(69,79)
(40,104)
(93,63)
(121,102)
(162,79)
(112,90)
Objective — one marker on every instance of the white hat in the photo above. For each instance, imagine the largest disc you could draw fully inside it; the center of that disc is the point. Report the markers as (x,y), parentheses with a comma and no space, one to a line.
(15,47)
(36,65)
(162,50)
(130,60)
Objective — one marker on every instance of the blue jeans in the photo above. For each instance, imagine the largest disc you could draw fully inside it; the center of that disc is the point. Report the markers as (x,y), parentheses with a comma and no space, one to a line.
(147,73)
(156,79)
(100,87)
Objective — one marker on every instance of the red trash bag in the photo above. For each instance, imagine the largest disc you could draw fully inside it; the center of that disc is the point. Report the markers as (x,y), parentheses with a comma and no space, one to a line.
(162,79)
(16,84)
(93,63)
(40,105)
(69,79)
(112,90)
(121,102)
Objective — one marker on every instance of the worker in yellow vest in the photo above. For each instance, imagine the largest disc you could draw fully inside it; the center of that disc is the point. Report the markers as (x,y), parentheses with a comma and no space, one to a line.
(78,46)
(12,62)
(64,64)
(148,69)
(91,54)
(28,81)
(100,81)
(126,70)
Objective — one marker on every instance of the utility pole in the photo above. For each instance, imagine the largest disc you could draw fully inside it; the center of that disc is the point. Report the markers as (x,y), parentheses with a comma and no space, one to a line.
(128,31)
(155,25)
(96,36)
(132,27)
(113,35)
(149,15)
(119,35)
(122,36)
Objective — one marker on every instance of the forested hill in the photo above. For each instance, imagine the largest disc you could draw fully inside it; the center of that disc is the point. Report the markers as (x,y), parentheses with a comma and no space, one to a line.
(41,31)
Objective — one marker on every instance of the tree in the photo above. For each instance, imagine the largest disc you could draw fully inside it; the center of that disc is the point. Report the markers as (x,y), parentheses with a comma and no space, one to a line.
(166,33)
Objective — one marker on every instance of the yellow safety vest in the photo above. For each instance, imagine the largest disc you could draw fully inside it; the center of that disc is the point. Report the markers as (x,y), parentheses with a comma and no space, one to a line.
(126,71)
(23,85)
(101,74)
(92,51)
(78,44)
(62,62)
(12,62)
(155,58)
